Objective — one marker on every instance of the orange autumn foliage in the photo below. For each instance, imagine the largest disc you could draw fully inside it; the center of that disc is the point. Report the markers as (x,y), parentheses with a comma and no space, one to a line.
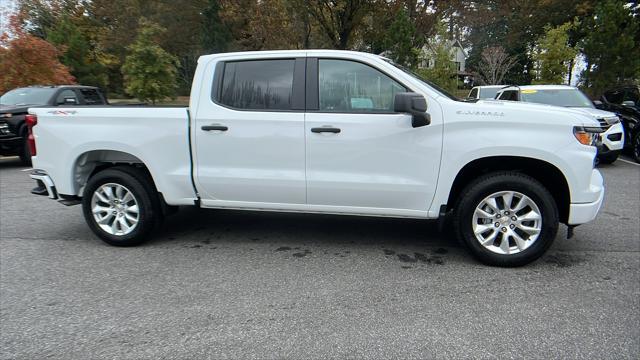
(28,60)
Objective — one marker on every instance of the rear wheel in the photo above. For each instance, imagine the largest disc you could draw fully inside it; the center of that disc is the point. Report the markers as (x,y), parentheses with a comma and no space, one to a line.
(121,206)
(506,219)
(25,152)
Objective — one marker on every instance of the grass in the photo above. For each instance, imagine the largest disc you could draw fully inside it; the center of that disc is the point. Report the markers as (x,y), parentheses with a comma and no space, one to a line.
(180,100)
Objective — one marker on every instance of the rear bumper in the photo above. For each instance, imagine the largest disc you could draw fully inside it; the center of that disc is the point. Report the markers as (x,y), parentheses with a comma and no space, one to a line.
(44,180)
(10,142)
(580,213)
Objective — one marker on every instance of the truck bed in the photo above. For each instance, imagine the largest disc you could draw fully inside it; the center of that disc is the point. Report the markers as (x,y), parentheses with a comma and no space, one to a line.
(156,136)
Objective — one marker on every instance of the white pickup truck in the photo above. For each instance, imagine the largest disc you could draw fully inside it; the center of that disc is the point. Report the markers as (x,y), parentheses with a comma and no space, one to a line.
(334,132)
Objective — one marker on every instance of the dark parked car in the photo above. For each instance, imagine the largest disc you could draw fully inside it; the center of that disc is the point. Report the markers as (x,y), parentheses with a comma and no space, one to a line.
(14,105)
(625,101)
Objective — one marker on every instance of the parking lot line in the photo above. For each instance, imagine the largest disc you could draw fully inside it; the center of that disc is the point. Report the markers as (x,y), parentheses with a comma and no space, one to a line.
(629,162)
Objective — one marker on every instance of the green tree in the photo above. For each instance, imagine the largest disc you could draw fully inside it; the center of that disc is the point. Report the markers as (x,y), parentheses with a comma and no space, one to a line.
(215,34)
(77,52)
(399,40)
(610,46)
(554,55)
(443,70)
(149,71)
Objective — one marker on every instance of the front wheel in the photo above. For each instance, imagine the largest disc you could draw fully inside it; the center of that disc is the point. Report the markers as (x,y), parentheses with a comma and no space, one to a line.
(506,219)
(120,206)
(635,147)
(608,159)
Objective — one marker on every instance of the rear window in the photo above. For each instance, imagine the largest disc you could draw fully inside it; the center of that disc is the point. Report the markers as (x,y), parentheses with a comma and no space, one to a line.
(91,96)
(258,84)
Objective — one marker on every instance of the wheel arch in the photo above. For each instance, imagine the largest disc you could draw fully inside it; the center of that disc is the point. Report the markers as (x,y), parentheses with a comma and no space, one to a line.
(546,173)
(90,162)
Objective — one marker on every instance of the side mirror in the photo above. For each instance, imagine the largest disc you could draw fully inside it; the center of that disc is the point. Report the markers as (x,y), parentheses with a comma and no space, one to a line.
(597,104)
(414,104)
(628,103)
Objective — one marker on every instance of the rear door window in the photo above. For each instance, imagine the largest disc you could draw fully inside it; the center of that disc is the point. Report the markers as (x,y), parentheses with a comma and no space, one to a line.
(510,95)
(67,94)
(258,84)
(614,96)
(631,94)
(474,93)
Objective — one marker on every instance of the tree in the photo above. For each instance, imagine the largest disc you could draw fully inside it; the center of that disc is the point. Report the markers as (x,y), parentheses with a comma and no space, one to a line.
(149,71)
(77,52)
(399,41)
(28,60)
(338,19)
(495,64)
(554,55)
(215,34)
(610,46)
(443,71)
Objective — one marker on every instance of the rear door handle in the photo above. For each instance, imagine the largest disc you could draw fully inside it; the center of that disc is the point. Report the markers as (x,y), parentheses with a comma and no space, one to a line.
(214,128)
(325,130)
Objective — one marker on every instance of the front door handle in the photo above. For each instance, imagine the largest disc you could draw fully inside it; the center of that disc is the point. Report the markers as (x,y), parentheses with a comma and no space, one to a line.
(325,130)
(214,128)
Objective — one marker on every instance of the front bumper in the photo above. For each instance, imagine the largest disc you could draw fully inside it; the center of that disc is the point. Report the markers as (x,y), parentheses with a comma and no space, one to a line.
(612,139)
(580,213)
(43,180)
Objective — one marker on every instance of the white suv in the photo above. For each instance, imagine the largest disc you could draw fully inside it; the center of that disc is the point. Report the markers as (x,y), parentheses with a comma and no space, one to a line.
(610,143)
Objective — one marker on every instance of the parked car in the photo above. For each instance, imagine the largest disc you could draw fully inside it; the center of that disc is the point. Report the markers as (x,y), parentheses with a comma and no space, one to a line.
(625,102)
(610,143)
(484,92)
(323,131)
(14,105)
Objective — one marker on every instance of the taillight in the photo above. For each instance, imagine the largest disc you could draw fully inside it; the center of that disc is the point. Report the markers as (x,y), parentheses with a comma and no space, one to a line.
(31,120)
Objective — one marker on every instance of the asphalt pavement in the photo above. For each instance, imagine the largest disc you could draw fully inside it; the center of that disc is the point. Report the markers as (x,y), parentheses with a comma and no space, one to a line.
(245,285)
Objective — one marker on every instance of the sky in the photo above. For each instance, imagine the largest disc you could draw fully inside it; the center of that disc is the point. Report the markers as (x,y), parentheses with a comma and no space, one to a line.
(6,8)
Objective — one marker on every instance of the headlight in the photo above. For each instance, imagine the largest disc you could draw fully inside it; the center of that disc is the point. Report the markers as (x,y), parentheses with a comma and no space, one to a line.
(587,135)
(612,120)
(7,115)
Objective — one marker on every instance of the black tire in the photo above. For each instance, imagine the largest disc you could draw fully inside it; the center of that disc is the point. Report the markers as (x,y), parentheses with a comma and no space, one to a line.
(492,183)
(635,147)
(607,159)
(145,193)
(25,152)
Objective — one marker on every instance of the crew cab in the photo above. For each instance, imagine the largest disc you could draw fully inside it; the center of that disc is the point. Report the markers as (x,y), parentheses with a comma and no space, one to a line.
(610,142)
(14,105)
(322,131)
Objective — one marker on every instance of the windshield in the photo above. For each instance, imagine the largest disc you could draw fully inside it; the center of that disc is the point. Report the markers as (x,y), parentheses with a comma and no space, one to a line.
(27,96)
(426,82)
(488,93)
(558,97)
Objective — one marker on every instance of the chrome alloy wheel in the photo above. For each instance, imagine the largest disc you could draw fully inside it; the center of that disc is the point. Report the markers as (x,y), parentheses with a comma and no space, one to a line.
(507,222)
(115,209)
